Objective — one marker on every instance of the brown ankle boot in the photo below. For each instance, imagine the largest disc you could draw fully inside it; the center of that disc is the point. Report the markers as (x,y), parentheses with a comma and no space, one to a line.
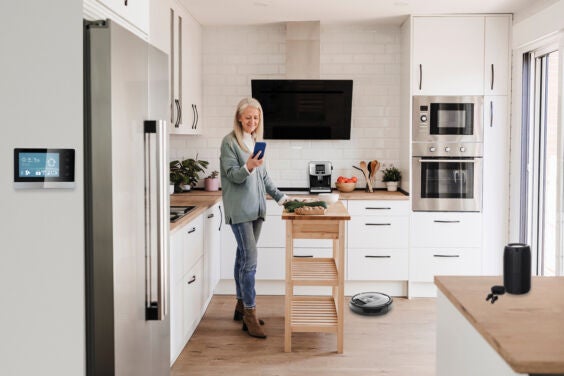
(250,323)
(240,310)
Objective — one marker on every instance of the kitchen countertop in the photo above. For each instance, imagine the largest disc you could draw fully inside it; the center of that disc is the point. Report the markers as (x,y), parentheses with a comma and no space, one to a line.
(205,199)
(527,330)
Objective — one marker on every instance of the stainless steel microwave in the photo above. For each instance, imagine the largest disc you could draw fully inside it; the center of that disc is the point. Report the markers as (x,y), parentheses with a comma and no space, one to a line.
(448,118)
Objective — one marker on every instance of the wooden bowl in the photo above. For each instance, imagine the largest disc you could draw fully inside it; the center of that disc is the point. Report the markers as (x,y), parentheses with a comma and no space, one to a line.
(345,187)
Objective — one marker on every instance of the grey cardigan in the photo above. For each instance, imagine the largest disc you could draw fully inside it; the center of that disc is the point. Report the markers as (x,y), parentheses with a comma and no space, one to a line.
(244,194)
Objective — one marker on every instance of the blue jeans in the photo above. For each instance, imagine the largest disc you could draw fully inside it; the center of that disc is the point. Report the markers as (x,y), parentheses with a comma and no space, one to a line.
(246,234)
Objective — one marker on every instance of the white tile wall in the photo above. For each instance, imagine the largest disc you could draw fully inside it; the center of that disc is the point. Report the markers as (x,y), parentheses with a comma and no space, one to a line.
(369,55)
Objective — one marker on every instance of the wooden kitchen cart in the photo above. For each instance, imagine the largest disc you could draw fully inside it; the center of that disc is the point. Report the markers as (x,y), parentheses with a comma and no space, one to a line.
(316,313)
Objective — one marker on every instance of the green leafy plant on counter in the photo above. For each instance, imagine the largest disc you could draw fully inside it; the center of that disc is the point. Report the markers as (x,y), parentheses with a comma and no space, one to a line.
(213,175)
(391,174)
(290,206)
(186,172)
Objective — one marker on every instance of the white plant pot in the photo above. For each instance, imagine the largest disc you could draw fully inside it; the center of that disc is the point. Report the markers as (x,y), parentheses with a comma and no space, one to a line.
(186,187)
(170,189)
(392,186)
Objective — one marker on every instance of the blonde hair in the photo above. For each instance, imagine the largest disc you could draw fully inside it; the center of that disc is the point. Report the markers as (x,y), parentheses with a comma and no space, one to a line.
(238,127)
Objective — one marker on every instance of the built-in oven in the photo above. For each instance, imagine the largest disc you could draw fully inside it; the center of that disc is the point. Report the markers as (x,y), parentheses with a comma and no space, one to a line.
(447,177)
(447,118)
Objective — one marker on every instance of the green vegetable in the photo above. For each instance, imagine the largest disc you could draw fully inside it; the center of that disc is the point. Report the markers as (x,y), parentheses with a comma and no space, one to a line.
(290,206)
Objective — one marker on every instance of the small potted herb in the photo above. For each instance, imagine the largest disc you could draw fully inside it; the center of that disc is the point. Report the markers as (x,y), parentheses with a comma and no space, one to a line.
(185,175)
(211,182)
(391,176)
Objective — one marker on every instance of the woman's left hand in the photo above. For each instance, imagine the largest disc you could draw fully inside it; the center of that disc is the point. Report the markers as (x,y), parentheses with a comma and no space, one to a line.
(253,162)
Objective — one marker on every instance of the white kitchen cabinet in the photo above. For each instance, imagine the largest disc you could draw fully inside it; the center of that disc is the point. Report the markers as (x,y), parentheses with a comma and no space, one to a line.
(448,55)
(497,55)
(175,31)
(426,263)
(130,14)
(446,229)
(377,240)
(496,183)
(186,261)
(444,243)
(213,218)
(192,299)
(185,56)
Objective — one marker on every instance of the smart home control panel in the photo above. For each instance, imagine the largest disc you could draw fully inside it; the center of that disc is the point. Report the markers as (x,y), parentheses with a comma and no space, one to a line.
(43,168)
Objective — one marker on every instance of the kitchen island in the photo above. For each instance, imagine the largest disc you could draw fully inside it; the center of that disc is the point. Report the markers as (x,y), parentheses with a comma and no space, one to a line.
(316,313)
(519,334)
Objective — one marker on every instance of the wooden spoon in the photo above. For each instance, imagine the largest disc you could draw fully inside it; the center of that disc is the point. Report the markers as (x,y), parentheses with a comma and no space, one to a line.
(373,167)
(365,172)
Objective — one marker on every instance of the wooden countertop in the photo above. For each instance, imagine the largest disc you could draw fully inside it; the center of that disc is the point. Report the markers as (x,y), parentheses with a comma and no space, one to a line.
(527,330)
(335,211)
(204,200)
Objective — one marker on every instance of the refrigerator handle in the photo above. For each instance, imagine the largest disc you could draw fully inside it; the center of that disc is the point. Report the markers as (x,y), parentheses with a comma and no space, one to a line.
(156,191)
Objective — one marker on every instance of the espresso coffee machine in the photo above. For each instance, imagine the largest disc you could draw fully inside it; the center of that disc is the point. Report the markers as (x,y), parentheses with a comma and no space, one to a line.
(320,177)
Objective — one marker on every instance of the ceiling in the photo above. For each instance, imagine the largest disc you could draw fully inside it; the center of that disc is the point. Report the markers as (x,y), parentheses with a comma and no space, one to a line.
(249,12)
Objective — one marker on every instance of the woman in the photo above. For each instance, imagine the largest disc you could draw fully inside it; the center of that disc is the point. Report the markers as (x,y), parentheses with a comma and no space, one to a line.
(244,185)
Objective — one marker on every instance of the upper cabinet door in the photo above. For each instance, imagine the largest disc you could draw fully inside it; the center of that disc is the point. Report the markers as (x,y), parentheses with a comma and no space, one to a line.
(448,55)
(497,55)
(134,11)
(159,25)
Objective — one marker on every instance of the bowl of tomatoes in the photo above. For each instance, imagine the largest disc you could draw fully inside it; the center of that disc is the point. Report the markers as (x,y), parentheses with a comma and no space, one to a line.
(345,184)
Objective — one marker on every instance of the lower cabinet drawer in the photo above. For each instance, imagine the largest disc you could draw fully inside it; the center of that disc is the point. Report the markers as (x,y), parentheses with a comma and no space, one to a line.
(380,264)
(425,263)
(380,232)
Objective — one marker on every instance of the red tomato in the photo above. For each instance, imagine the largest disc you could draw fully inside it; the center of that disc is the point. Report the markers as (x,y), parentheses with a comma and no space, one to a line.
(354,179)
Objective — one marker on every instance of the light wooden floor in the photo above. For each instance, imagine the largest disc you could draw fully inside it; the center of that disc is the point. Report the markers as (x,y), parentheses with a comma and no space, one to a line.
(400,343)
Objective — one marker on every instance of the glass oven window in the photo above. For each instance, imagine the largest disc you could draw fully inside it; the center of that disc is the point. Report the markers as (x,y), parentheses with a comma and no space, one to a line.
(447,179)
(452,118)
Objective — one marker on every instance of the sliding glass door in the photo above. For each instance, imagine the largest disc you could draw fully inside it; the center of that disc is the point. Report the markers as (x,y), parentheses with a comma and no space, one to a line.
(542,173)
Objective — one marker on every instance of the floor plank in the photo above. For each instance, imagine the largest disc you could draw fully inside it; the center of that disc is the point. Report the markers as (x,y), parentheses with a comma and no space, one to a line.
(399,343)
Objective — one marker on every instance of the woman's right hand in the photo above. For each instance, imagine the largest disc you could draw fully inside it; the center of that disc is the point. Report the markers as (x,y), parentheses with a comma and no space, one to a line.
(253,162)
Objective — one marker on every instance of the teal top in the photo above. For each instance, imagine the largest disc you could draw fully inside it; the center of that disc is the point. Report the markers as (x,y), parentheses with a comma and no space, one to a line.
(244,193)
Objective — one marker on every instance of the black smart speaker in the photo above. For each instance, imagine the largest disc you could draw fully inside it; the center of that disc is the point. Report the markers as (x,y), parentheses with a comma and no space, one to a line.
(517,268)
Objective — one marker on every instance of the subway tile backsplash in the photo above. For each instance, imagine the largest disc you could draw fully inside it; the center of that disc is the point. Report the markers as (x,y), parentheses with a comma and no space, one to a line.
(367,54)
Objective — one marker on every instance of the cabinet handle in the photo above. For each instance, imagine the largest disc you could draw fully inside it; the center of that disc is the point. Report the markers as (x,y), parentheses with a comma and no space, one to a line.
(210,215)
(125,2)
(377,208)
(439,221)
(492,80)
(220,217)
(178,112)
(491,114)
(193,229)
(192,280)
(303,256)
(377,224)
(374,256)
(446,255)
(420,75)
(197,117)
(193,116)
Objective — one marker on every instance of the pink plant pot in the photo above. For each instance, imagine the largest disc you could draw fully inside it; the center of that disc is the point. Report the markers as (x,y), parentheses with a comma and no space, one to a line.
(211,184)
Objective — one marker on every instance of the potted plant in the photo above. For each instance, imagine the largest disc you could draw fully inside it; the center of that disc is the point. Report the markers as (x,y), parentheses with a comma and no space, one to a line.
(185,174)
(211,182)
(391,176)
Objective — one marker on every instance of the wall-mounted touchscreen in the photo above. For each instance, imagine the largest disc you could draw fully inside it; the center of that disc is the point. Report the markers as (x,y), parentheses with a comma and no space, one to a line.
(43,168)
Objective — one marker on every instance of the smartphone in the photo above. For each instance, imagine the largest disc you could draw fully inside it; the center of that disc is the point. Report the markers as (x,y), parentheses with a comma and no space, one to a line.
(259,146)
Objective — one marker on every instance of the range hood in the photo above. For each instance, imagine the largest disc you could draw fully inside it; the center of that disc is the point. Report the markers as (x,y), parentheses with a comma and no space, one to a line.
(302,50)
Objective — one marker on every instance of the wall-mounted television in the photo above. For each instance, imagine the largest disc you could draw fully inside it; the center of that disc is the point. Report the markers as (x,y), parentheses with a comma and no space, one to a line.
(305,109)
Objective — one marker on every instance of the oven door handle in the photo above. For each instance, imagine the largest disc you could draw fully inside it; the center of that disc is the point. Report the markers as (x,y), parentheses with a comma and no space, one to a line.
(446,160)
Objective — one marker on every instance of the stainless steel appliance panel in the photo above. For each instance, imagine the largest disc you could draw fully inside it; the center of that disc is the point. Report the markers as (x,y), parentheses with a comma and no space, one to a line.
(447,184)
(447,119)
(120,340)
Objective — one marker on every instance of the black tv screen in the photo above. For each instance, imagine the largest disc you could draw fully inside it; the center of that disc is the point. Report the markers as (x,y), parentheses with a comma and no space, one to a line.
(305,109)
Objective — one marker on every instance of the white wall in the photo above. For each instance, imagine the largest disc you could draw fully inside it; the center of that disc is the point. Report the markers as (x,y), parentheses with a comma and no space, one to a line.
(534,31)
(41,231)
(368,54)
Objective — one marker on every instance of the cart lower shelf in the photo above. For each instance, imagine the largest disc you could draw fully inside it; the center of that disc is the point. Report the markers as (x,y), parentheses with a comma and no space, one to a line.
(314,314)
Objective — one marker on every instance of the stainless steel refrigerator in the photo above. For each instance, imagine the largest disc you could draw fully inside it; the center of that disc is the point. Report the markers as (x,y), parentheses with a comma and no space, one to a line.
(126,203)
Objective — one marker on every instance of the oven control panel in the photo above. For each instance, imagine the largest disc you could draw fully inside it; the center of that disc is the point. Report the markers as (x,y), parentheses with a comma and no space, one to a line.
(448,149)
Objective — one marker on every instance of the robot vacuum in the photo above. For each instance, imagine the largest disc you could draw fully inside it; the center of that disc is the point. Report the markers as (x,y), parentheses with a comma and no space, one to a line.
(371,303)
